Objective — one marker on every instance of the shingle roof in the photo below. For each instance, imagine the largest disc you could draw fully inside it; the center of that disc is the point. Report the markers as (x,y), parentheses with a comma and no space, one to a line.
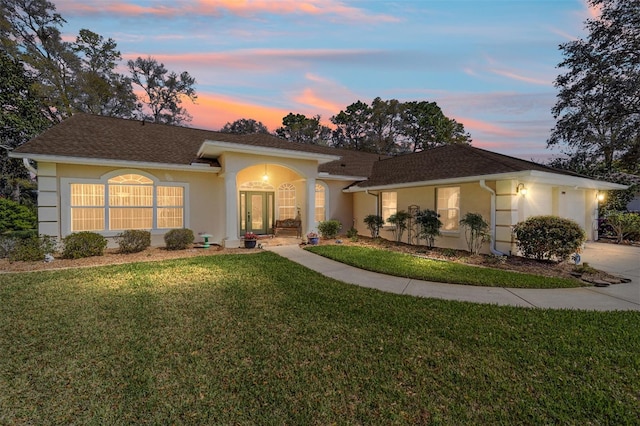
(109,138)
(445,162)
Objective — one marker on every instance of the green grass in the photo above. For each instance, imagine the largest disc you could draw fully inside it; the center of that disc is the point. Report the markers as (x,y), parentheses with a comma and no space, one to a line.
(404,265)
(257,339)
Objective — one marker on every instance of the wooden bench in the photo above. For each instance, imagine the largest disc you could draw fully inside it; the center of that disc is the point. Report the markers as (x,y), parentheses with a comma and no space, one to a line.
(288,225)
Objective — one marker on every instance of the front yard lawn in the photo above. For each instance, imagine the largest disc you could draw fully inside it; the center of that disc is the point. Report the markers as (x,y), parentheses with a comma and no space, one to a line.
(238,339)
(409,266)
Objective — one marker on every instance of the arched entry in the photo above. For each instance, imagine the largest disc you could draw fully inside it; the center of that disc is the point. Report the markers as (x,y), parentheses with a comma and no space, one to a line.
(257,207)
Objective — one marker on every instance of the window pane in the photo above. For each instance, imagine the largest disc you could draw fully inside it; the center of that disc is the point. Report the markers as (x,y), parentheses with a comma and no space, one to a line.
(170,217)
(170,196)
(286,201)
(389,204)
(131,179)
(130,195)
(130,218)
(448,207)
(320,203)
(87,219)
(83,194)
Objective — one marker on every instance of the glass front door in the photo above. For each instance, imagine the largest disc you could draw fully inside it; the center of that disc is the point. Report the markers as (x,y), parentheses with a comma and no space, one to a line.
(256,212)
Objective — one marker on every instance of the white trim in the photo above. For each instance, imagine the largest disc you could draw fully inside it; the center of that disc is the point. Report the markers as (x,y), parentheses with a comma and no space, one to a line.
(329,176)
(193,167)
(210,148)
(533,176)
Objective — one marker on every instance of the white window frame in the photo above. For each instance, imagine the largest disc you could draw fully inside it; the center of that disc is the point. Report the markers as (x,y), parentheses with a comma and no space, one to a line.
(325,189)
(442,210)
(289,185)
(65,200)
(386,211)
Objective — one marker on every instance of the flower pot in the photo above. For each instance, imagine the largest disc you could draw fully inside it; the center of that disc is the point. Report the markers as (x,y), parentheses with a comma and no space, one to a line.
(250,244)
(314,241)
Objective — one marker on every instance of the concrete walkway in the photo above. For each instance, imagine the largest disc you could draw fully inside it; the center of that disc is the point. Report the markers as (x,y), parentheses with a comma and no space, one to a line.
(623,260)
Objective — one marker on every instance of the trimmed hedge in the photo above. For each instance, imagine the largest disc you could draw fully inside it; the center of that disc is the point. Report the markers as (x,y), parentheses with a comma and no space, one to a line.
(179,239)
(329,228)
(548,237)
(133,241)
(83,244)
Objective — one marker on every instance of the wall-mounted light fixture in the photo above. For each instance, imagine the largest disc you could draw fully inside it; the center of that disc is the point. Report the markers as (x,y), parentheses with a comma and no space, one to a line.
(599,196)
(520,189)
(265,176)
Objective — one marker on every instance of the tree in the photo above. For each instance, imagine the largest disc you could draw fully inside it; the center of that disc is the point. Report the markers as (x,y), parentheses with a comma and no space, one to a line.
(423,126)
(476,231)
(383,125)
(430,224)
(21,118)
(374,223)
(399,222)
(70,77)
(102,90)
(31,34)
(245,126)
(164,91)
(302,129)
(598,105)
(352,128)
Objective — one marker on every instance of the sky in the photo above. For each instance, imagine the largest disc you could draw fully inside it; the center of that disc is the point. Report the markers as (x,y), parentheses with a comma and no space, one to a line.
(489,64)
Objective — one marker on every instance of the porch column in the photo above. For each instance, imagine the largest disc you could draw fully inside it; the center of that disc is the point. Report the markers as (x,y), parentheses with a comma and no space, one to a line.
(310,206)
(231,210)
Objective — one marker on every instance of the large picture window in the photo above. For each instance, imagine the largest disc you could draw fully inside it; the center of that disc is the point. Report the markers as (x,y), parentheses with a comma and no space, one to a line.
(127,201)
(448,207)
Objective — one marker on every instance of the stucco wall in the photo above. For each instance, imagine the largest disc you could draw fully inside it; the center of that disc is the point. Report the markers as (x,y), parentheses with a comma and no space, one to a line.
(204,209)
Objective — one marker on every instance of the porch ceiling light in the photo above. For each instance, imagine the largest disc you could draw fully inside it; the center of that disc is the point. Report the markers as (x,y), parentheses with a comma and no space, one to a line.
(265,176)
(521,189)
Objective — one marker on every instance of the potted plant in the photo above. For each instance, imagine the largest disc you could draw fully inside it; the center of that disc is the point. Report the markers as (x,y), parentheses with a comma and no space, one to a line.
(313,238)
(250,240)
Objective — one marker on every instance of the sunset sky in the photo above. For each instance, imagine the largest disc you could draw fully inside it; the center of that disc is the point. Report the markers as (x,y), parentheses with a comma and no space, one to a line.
(490,64)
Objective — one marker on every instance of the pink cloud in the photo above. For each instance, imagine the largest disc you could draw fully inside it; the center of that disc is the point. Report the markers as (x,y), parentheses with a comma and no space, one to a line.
(524,78)
(473,126)
(213,111)
(245,8)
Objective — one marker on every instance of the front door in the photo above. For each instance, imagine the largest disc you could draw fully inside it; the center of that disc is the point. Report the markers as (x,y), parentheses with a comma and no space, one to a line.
(256,212)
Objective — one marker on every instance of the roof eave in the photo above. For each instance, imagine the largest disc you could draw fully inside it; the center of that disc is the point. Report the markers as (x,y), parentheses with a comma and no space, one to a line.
(194,167)
(213,149)
(528,175)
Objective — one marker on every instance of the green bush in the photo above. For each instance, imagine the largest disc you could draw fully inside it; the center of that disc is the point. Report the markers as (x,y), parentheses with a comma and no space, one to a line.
(430,225)
(329,228)
(31,247)
(179,239)
(16,217)
(548,237)
(83,244)
(352,234)
(624,224)
(399,222)
(133,240)
(476,231)
(374,223)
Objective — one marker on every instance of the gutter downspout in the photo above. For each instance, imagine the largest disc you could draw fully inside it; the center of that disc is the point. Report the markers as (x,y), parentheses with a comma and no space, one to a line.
(366,191)
(29,167)
(492,246)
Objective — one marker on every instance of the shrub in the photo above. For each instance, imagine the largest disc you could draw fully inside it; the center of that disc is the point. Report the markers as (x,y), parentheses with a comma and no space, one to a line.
(623,224)
(329,228)
(31,247)
(476,231)
(399,222)
(352,234)
(430,225)
(179,239)
(548,237)
(83,244)
(133,240)
(16,217)
(374,223)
